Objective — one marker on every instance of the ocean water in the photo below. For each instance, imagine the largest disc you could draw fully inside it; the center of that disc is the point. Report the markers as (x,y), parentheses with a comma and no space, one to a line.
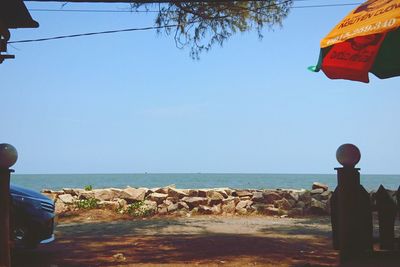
(194,180)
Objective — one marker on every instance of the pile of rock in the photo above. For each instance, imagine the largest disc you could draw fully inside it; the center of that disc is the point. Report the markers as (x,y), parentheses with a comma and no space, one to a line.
(225,201)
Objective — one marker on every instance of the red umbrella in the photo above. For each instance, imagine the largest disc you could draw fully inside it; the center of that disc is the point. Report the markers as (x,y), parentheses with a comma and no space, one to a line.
(366,40)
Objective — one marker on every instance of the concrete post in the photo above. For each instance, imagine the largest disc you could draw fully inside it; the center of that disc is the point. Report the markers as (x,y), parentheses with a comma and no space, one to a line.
(351,208)
(5,260)
(8,156)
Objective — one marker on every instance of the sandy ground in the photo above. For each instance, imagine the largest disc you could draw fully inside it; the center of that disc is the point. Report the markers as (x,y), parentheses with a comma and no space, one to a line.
(99,238)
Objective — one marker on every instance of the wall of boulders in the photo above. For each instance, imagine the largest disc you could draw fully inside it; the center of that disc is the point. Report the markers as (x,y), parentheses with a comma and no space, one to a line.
(218,201)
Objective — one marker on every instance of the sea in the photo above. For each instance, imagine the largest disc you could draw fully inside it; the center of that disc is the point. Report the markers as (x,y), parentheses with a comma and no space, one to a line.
(195,180)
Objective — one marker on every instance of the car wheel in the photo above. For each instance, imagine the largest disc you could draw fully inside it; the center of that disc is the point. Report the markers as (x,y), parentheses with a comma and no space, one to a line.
(24,238)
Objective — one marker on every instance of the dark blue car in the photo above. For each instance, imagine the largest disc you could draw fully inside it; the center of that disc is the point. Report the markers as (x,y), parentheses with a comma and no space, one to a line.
(32,217)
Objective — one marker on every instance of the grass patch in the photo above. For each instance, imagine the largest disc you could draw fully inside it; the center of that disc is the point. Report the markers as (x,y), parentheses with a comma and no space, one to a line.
(88,187)
(139,209)
(90,203)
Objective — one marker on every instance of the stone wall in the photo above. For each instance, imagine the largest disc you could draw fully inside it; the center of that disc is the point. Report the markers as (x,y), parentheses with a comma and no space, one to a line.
(225,201)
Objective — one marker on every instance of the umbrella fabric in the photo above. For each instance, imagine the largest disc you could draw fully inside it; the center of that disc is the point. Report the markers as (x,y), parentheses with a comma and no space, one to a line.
(367,40)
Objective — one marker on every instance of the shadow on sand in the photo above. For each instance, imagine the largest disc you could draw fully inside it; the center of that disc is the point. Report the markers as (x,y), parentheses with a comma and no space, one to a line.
(140,242)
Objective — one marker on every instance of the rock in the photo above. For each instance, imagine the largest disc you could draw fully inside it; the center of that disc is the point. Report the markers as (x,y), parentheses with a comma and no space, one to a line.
(119,257)
(242,193)
(149,205)
(133,194)
(292,202)
(229,207)
(317,207)
(305,196)
(195,201)
(241,211)
(171,200)
(258,197)
(326,195)
(151,191)
(183,205)
(122,203)
(217,209)
(289,195)
(117,193)
(168,202)
(245,198)
(58,192)
(261,208)
(317,185)
(172,207)
(194,211)
(86,195)
(176,193)
(72,191)
(317,191)
(300,204)
(202,209)
(228,191)
(222,192)
(103,194)
(111,205)
(214,198)
(202,192)
(243,204)
(328,206)
(60,207)
(47,191)
(283,204)
(158,197)
(193,193)
(66,198)
(270,197)
(162,209)
(164,190)
(230,198)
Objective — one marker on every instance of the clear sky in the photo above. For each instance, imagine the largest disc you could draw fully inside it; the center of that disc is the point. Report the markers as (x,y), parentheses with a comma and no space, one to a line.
(133,102)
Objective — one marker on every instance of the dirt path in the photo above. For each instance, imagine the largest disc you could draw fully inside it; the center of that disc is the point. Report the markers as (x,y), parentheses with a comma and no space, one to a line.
(88,240)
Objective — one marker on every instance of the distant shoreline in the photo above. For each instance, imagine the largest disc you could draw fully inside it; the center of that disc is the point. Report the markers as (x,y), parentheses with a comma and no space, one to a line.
(194,180)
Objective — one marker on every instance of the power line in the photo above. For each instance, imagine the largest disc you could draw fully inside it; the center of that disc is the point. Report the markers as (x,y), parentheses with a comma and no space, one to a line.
(95,33)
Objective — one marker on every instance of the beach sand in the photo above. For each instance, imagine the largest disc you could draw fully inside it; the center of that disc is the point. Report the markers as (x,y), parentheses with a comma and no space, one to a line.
(102,238)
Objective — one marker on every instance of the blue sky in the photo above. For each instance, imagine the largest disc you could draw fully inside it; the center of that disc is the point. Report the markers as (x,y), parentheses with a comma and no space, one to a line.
(133,102)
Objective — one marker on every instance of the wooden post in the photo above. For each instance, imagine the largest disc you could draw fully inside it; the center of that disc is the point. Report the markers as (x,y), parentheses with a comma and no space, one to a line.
(5,260)
(348,184)
(387,210)
(351,215)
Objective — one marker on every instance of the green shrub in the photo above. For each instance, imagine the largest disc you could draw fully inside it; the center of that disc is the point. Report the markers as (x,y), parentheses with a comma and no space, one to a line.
(88,188)
(138,209)
(90,203)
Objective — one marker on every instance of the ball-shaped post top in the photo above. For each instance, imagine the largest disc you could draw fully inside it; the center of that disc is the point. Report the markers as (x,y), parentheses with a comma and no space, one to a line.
(348,155)
(8,156)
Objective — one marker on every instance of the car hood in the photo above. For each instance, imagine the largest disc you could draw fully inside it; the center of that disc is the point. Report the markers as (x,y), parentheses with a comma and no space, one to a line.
(17,190)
